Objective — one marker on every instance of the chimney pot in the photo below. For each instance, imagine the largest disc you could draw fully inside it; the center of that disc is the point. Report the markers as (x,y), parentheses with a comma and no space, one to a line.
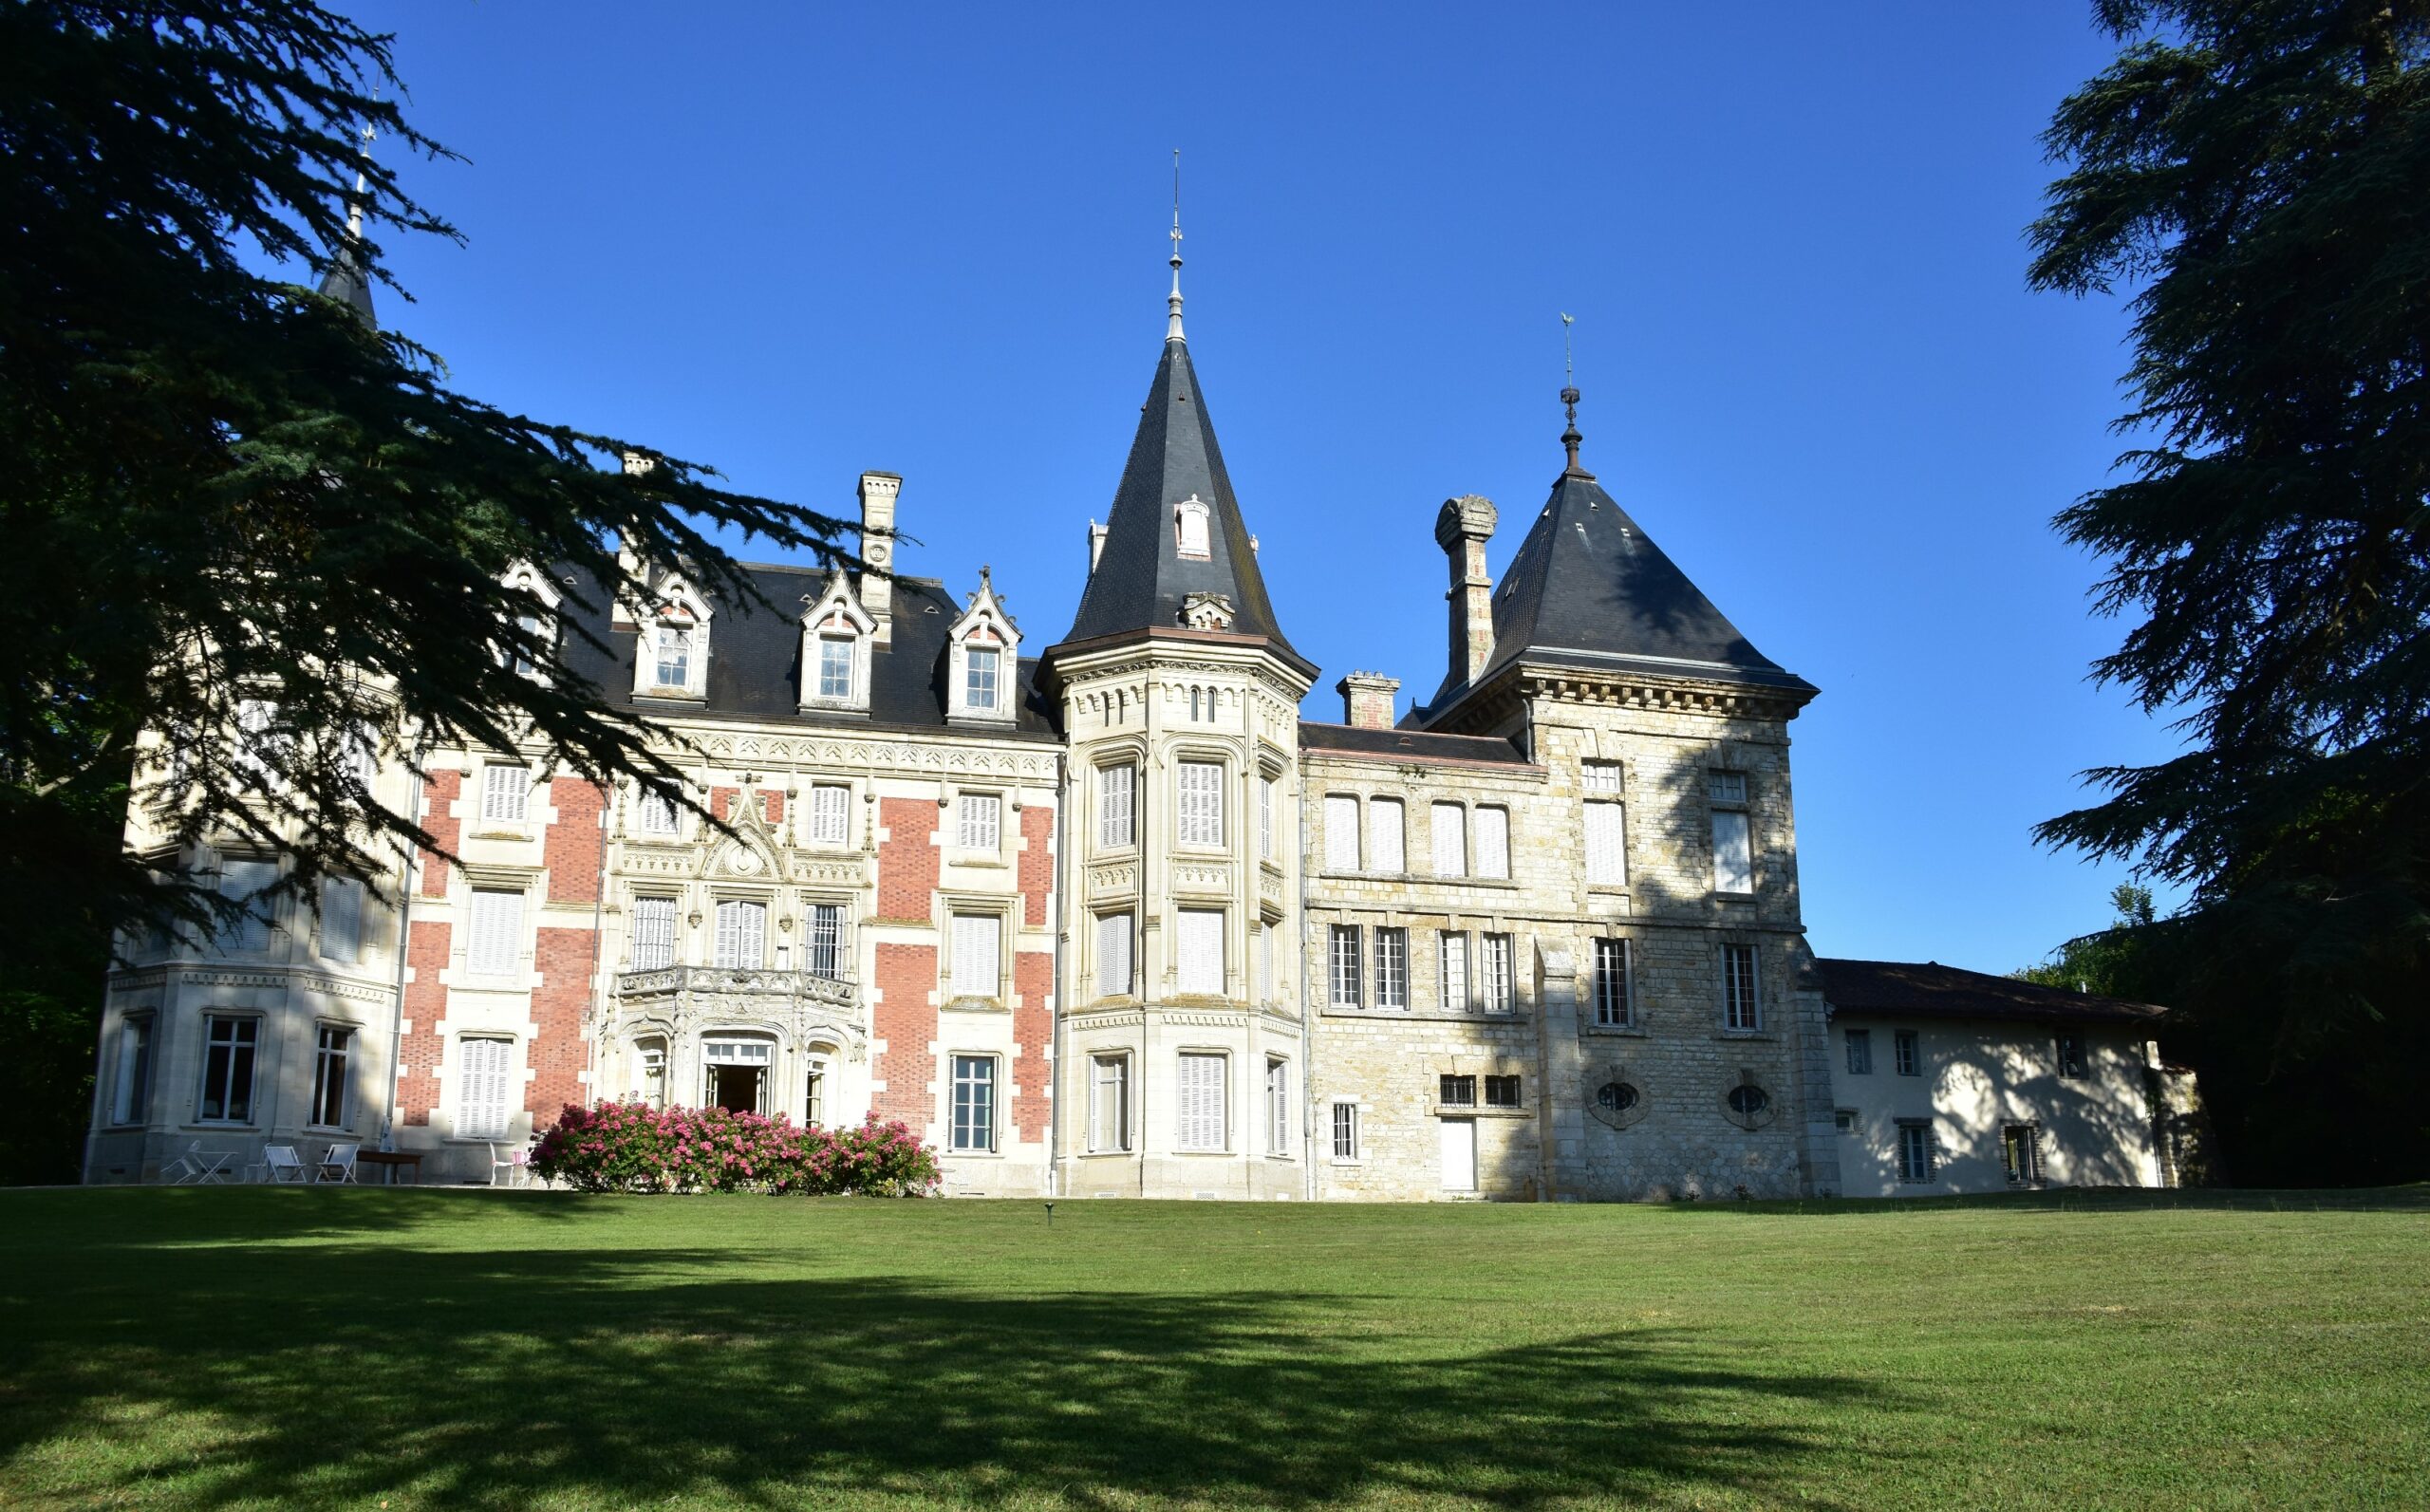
(1369,699)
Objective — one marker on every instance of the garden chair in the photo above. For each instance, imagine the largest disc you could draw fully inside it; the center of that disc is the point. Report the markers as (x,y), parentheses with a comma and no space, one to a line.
(515,1163)
(185,1167)
(280,1163)
(338,1165)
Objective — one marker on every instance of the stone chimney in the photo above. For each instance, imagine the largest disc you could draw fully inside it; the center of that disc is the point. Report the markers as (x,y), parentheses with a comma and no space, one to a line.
(1368,699)
(1462,528)
(878,492)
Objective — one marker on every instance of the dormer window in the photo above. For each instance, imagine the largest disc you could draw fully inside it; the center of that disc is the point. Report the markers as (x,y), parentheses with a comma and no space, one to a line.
(1190,529)
(535,625)
(672,661)
(837,636)
(980,689)
(984,646)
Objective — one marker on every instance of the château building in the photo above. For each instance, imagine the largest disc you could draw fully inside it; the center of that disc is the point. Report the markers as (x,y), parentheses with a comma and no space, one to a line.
(1097,912)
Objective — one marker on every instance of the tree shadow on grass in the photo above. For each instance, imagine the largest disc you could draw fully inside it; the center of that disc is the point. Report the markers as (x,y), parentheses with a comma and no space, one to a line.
(502,1379)
(2410,1199)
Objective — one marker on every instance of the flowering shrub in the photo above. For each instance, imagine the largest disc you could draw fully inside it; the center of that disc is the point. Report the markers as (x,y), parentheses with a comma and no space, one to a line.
(633,1148)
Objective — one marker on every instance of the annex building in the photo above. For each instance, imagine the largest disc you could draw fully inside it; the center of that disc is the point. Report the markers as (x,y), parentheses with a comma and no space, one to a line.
(1093,907)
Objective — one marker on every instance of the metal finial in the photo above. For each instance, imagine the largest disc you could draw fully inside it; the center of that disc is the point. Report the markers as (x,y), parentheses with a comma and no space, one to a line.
(362,184)
(1569,438)
(1172,302)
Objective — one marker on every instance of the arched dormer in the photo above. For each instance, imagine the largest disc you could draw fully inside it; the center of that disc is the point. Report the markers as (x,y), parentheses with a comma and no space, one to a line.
(836,634)
(983,648)
(672,659)
(538,620)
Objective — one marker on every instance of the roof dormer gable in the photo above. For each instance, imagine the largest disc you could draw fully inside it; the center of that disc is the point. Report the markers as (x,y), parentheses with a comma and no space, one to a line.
(671,657)
(983,647)
(837,635)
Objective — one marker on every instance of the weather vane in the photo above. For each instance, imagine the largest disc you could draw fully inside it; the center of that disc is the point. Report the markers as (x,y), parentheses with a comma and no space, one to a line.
(1569,438)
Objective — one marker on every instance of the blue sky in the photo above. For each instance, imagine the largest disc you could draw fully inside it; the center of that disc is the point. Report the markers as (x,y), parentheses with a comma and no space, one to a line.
(798,242)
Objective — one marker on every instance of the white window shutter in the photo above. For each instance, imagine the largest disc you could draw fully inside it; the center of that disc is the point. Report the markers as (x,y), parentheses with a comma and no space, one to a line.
(1493,843)
(506,793)
(1733,861)
(1201,1109)
(1264,962)
(1202,950)
(828,807)
(1386,835)
(342,919)
(1451,840)
(1115,789)
(496,936)
(974,954)
(1114,955)
(485,1067)
(653,933)
(1201,803)
(1341,834)
(1606,844)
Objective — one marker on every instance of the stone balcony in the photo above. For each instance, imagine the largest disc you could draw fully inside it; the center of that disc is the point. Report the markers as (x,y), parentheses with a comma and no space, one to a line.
(734,984)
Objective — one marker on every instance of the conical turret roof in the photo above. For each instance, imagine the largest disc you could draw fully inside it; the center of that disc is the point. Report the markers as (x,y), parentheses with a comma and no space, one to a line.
(1146,571)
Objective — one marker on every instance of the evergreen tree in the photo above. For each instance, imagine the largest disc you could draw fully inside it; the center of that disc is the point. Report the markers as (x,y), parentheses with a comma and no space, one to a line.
(236,516)
(2257,173)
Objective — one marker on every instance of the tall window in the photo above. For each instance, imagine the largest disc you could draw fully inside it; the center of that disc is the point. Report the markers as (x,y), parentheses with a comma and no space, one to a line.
(981,821)
(1451,827)
(1199,1110)
(742,934)
(342,920)
(1916,1161)
(329,1054)
(974,1102)
(2021,1153)
(825,941)
(1455,952)
(1392,968)
(1116,817)
(1201,932)
(2071,1056)
(506,793)
(1733,855)
(1264,931)
(484,1073)
(1277,1107)
(1341,833)
(1493,843)
(228,1046)
(1906,1052)
(830,807)
(1114,955)
(1739,1008)
(131,1090)
(1342,964)
(1201,803)
(497,937)
(1607,847)
(1495,968)
(674,656)
(834,668)
(1387,831)
(1266,818)
(655,815)
(653,933)
(979,688)
(1859,1043)
(977,941)
(1345,1131)
(241,880)
(1612,982)
(814,1101)
(1108,1102)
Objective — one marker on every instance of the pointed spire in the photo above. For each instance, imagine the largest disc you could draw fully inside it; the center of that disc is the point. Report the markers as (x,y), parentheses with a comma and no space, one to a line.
(1569,437)
(1173,301)
(345,278)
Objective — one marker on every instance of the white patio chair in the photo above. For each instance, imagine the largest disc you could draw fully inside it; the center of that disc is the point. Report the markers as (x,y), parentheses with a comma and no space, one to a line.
(338,1165)
(282,1164)
(515,1162)
(185,1167)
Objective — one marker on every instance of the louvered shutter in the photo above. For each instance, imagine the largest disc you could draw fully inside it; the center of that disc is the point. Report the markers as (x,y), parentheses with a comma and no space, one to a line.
(1201,1102)
(240,879)
(1201,803)
(1493,843)
(342,919)
(506,793)
(828,808)
(1265,963)
(1114,955)
(975,969)
(1341,834)
(1202,951)
(496,934)
(653,933)
(1114,807)
(482,1104)
(1266,818)
(1734,860)
(1386,835)
(1606,844)
(1450,841)
(981,821)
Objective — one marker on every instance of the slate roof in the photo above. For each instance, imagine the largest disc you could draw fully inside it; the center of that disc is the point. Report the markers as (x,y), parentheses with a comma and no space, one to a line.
(1141,577)
(754,661)
(1909,989)
(345,280)
(1589,587)
(1409,745)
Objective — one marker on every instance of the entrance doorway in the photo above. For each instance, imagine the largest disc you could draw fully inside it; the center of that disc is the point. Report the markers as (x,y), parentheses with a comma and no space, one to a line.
(1460,1154)
(734,1073)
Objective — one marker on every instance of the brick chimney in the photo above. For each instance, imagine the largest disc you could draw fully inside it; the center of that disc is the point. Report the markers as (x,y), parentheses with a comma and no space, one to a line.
(1368,699)
(878,493)
(1462,528)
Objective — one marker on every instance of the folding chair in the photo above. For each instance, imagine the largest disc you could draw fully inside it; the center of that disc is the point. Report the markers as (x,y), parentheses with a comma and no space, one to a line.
(283,1165)
(186,1167)
(338,1165)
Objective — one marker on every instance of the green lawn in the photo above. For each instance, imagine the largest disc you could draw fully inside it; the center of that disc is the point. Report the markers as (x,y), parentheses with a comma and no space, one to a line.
(378,1349)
